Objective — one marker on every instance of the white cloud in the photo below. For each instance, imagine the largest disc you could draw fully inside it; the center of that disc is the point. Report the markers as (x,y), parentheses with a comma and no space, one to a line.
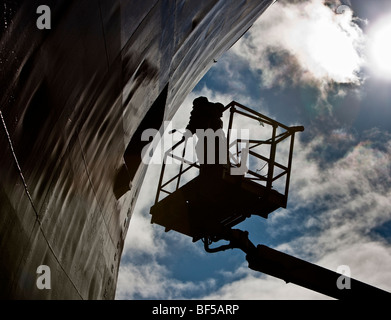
(255,286)
(141,275)
(153,281)
(304,42)
(345,203)
(143,238)
(368,261)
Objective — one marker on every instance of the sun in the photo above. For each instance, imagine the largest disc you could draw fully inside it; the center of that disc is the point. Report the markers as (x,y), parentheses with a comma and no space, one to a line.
(380,48)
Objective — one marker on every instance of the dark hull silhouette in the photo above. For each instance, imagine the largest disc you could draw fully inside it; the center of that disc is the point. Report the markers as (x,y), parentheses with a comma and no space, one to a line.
(75,100)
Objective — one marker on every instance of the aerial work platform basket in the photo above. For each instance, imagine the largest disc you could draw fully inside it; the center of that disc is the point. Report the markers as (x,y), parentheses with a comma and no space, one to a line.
(253,179)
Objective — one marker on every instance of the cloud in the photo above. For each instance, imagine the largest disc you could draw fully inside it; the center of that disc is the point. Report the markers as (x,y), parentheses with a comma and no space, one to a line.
(144,238)
(338,209)
(304,43)
(154,281)
(368,262)
(307,38)
(256,287)
(362,173)
(142,274)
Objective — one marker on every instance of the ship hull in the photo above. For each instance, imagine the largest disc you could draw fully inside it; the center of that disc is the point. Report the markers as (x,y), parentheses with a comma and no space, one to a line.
(75,100)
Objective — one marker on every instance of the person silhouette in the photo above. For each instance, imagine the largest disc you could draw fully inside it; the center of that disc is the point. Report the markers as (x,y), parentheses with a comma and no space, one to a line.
(206,123)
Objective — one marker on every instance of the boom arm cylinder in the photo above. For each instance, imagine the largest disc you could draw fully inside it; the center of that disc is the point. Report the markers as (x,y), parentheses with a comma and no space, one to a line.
(308,275)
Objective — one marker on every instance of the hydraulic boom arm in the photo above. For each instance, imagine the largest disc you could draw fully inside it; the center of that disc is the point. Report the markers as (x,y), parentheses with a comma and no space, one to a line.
(294,270)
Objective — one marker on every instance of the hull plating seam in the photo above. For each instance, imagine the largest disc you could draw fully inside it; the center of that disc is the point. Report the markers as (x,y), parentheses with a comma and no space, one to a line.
(18,166)
(32,203)
(92,185)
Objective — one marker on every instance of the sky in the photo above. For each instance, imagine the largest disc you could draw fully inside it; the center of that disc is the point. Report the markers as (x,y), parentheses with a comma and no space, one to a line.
(324,65)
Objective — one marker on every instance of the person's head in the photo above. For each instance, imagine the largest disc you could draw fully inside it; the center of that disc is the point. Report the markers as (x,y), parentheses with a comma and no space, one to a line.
(200,101)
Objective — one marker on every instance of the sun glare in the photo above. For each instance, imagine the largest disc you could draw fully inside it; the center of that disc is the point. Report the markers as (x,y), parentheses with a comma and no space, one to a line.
(380,48)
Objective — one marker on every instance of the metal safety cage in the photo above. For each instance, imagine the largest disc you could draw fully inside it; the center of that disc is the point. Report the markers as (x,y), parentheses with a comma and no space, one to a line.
(176,178)
(277,169)
(256,150)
